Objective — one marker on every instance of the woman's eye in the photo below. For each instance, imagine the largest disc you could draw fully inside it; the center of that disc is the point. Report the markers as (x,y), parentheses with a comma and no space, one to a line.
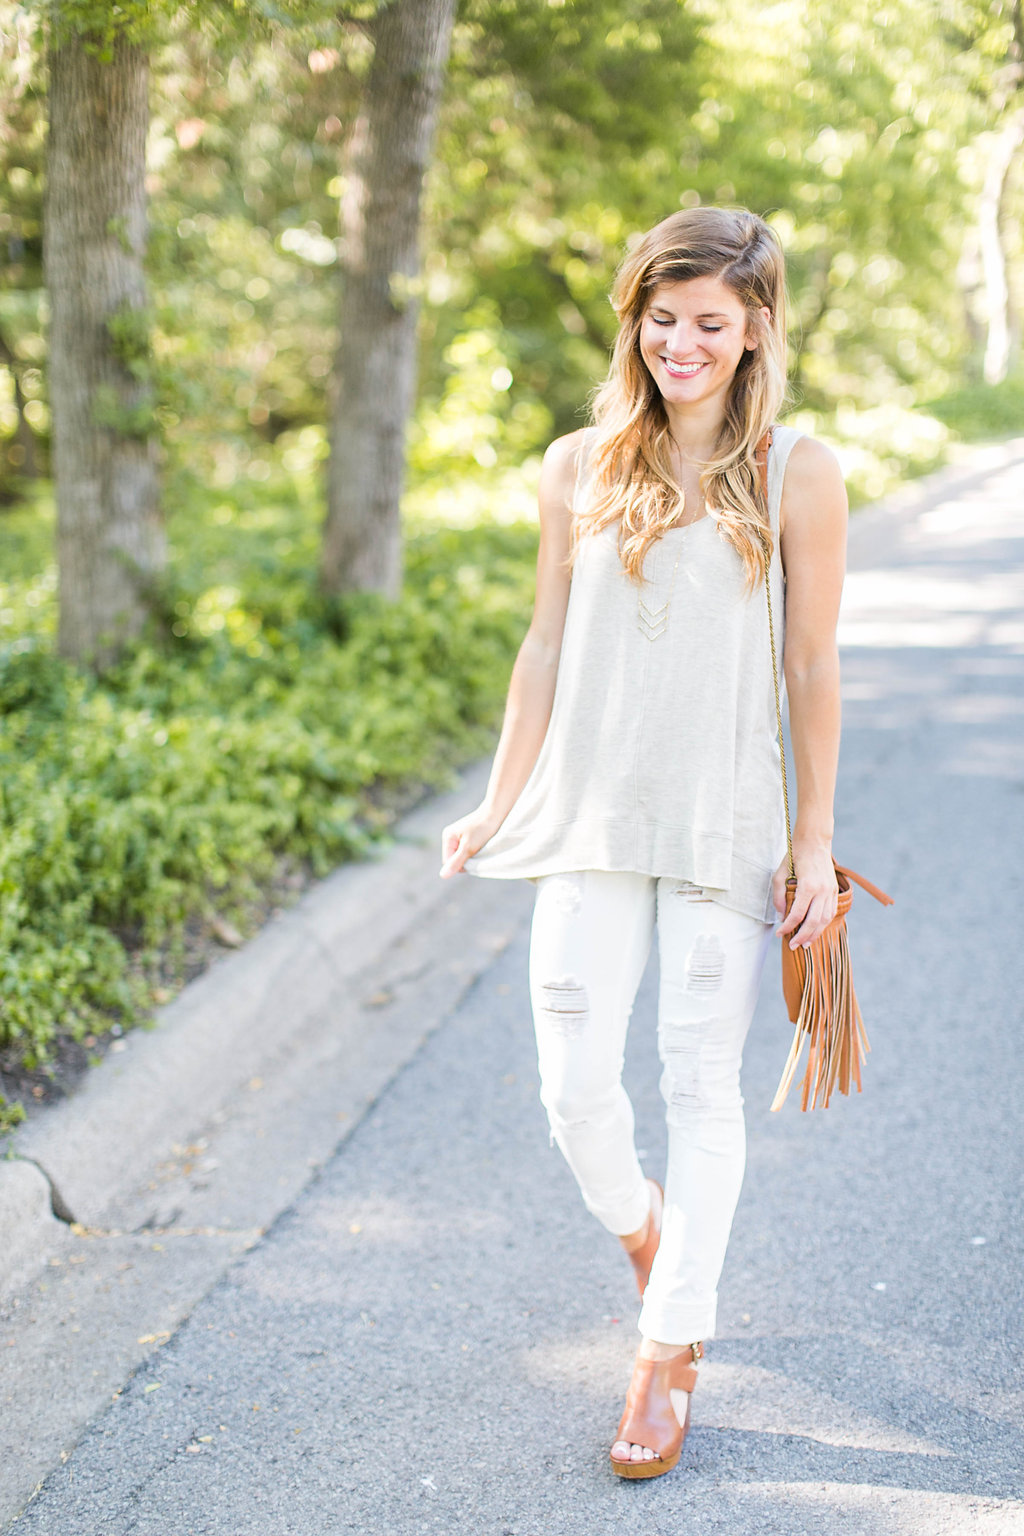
(712,330)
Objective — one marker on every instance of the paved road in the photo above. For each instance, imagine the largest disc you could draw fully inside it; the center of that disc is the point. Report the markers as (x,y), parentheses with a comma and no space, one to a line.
(435,1337)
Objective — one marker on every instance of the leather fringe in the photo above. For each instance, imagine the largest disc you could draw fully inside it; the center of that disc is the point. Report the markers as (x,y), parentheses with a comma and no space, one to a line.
(830,1019)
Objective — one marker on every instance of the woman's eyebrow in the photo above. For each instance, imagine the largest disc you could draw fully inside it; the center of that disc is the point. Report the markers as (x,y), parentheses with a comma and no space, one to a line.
(710,315)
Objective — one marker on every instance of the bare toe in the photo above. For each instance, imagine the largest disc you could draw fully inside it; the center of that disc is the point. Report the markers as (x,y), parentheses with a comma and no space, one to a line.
(623,1450)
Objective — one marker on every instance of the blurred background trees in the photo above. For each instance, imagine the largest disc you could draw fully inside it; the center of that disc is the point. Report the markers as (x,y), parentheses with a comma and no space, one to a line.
(883,143)
(989,40)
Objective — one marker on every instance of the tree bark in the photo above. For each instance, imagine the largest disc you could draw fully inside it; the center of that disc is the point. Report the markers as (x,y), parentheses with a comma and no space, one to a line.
(1005,145)
(375,367)
(110,542)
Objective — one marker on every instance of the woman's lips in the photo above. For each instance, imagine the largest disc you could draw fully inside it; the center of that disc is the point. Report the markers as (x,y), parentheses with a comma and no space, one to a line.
(682,371)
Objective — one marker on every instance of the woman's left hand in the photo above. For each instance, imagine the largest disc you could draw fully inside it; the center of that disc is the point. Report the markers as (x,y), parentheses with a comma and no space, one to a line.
(817,893)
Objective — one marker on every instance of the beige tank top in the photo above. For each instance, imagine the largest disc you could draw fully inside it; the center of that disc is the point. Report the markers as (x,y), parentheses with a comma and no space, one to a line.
(661,754)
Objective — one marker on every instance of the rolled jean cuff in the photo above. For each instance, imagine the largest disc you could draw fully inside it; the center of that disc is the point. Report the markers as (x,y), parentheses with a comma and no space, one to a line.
(624,1216)
(679,1324)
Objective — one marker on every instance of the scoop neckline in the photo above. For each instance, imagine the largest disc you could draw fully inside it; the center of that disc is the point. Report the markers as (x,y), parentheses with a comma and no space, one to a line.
(705,517)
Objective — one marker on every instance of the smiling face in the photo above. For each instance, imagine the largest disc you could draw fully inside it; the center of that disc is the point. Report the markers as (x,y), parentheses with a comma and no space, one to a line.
(692,337)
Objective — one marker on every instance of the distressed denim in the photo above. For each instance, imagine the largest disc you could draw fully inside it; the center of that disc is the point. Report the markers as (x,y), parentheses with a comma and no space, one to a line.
(592,933)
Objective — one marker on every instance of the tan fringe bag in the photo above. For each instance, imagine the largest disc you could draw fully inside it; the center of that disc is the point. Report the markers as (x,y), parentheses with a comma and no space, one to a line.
(817,980)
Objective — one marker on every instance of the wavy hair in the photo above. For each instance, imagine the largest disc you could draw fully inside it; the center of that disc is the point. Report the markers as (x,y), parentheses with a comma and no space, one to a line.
(630,464)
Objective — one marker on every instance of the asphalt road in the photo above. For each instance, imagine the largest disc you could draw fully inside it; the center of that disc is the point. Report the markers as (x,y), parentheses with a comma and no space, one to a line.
(436,1337)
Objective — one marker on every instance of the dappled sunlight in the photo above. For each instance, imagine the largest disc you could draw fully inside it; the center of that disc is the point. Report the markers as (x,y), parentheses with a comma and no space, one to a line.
(918,606)
(907,1511)
(932,629)
(750,1398)
(733,1397)
(879,446)
(954,579)
(466,499)
(784,1440)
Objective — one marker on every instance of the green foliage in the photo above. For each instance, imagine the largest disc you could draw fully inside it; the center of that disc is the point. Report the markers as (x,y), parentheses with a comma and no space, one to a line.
(565,128)
(131,413)
(264,723)
(130,332)
(847,136)
(878,447)
(23,416)
(559,137)
(978,412)
(103,22)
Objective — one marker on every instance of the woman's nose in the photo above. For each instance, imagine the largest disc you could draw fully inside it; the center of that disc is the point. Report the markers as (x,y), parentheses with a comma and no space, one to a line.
(682,339)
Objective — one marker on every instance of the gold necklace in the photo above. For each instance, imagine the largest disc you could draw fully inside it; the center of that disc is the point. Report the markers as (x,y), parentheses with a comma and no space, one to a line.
(653,621)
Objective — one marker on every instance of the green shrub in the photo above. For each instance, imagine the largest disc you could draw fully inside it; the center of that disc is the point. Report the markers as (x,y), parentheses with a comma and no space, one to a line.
(264,723)
(982,411)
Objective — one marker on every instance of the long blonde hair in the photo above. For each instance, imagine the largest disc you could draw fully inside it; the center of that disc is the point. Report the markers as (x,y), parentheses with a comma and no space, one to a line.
(632,478)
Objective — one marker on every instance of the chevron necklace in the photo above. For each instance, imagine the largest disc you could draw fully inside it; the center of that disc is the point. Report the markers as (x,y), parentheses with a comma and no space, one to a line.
(652,618)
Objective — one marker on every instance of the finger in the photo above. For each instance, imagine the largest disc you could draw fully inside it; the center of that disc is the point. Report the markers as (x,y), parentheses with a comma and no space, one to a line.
(796,913)
(815,922)
(451,837)
(808,916)
(457,856)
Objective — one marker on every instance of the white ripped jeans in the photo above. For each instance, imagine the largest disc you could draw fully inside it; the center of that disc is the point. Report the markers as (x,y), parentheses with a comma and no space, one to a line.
(592,934)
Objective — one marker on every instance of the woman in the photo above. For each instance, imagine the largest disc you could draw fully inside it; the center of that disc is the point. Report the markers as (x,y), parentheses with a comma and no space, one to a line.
(637,777)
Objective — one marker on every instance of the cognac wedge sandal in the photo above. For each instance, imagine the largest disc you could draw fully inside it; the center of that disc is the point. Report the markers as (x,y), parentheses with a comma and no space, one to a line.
(649,1418)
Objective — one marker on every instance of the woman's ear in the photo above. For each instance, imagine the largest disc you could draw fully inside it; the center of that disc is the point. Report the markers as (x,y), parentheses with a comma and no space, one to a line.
(766,315)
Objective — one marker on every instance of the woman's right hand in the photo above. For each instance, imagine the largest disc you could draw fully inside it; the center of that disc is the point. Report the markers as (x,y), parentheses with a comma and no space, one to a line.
(464,838)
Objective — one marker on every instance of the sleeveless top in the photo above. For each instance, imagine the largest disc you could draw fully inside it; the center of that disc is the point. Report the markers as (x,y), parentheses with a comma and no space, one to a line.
(661,754)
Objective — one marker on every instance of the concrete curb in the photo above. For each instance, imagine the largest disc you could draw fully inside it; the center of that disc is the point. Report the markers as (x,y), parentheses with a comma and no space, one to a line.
(75,1159)
(30,1229)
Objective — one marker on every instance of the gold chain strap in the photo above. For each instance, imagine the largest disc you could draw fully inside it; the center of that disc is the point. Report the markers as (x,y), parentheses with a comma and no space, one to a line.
(762,460)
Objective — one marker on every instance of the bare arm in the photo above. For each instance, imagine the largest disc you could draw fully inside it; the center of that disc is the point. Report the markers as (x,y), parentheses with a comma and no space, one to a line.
(813,539)
(532,687)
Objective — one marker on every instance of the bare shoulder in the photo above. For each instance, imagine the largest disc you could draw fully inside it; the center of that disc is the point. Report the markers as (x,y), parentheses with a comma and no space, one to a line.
(558,472)
(812,469)
(813,491)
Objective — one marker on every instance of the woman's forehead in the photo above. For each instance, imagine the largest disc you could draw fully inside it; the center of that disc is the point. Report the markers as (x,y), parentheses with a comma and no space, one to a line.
(704,295)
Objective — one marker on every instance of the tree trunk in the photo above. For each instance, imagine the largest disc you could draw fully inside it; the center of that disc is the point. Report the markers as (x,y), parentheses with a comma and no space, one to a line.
(375,368)
(1005,145)
(110,541)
